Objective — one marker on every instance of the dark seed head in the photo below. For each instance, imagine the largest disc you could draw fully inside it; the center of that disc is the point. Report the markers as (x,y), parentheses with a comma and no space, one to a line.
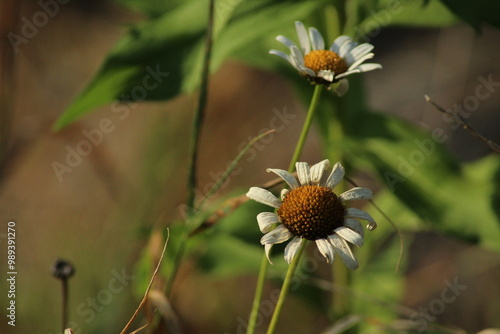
(312,212)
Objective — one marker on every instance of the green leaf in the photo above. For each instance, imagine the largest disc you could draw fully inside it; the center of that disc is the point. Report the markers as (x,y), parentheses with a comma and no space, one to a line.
(476,12)
(370,17)
(162,58)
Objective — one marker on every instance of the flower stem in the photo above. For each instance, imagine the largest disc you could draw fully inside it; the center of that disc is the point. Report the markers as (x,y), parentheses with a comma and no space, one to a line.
(298,151)
(305,129)
(258,295)
(285,288)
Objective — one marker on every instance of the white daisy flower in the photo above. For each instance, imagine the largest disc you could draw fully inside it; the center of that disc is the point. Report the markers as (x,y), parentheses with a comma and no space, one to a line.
(323,66)
(311,210)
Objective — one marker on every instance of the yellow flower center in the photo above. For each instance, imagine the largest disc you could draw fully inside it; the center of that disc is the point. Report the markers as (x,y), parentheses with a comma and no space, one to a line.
(318,60)
(312,212)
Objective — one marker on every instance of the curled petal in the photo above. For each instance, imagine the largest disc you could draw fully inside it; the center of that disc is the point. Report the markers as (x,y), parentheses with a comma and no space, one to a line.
(354,225)
(266,221)
(327,75)
(349,235)
(284,192)
(267,249)
(326,249)
(336,176)
(317,171)
(360,214)
(342,87)
(303,173)
(263,196)
(345,253)
(356,193)
(289,178)
(278,235)
(291,249)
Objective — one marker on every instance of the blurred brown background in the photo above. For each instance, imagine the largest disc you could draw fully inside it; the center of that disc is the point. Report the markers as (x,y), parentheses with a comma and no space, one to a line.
(135,178)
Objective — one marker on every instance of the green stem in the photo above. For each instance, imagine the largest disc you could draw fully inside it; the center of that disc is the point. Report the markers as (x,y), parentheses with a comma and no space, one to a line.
(307,125)
(298,151)
(194,144)
(258,295)
(286,287)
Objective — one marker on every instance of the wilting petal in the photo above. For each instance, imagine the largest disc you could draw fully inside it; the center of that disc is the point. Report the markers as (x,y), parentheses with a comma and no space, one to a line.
(342,87)
(317,171)
(278,235)
(349,235)
(360,214)
(354,225)
(303,38)
(289,178)
(316,39)
(336,176)
(263,196)
(283,194)
(327,75)
(326,249)
(345,253)
(303,173)
(266,221)
(356,193)
(291,249)
(267,249)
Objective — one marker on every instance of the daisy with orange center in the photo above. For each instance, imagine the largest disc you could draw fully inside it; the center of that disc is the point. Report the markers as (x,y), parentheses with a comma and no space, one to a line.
(312,211)
(322,66)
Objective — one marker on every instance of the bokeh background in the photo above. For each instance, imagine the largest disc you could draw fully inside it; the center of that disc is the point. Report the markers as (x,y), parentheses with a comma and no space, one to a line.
(100,215)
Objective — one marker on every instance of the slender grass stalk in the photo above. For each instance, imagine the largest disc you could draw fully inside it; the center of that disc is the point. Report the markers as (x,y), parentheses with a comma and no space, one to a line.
(307,125)
(196,129)
(285,288)
(296,156)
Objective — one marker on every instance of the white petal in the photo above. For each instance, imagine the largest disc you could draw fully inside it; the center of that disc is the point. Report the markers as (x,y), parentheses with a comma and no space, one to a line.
(360,214)
(266,221)
(263,196)
(303,173)
(317,171)
(303,39)
(326,249)
(308,71)
(356,193)
(346,47)
(349,235)
(284,192)
(346,73)
(369,67)
(289,178)
(316,39)
(354,225)
(285,41)
(292,248)
(338,43)
(297,56)
(342,87)
(345,253)
(280,54)
(278,235)
(267,249)
(336,176)
(327,75)
(358,52)
(360,60)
